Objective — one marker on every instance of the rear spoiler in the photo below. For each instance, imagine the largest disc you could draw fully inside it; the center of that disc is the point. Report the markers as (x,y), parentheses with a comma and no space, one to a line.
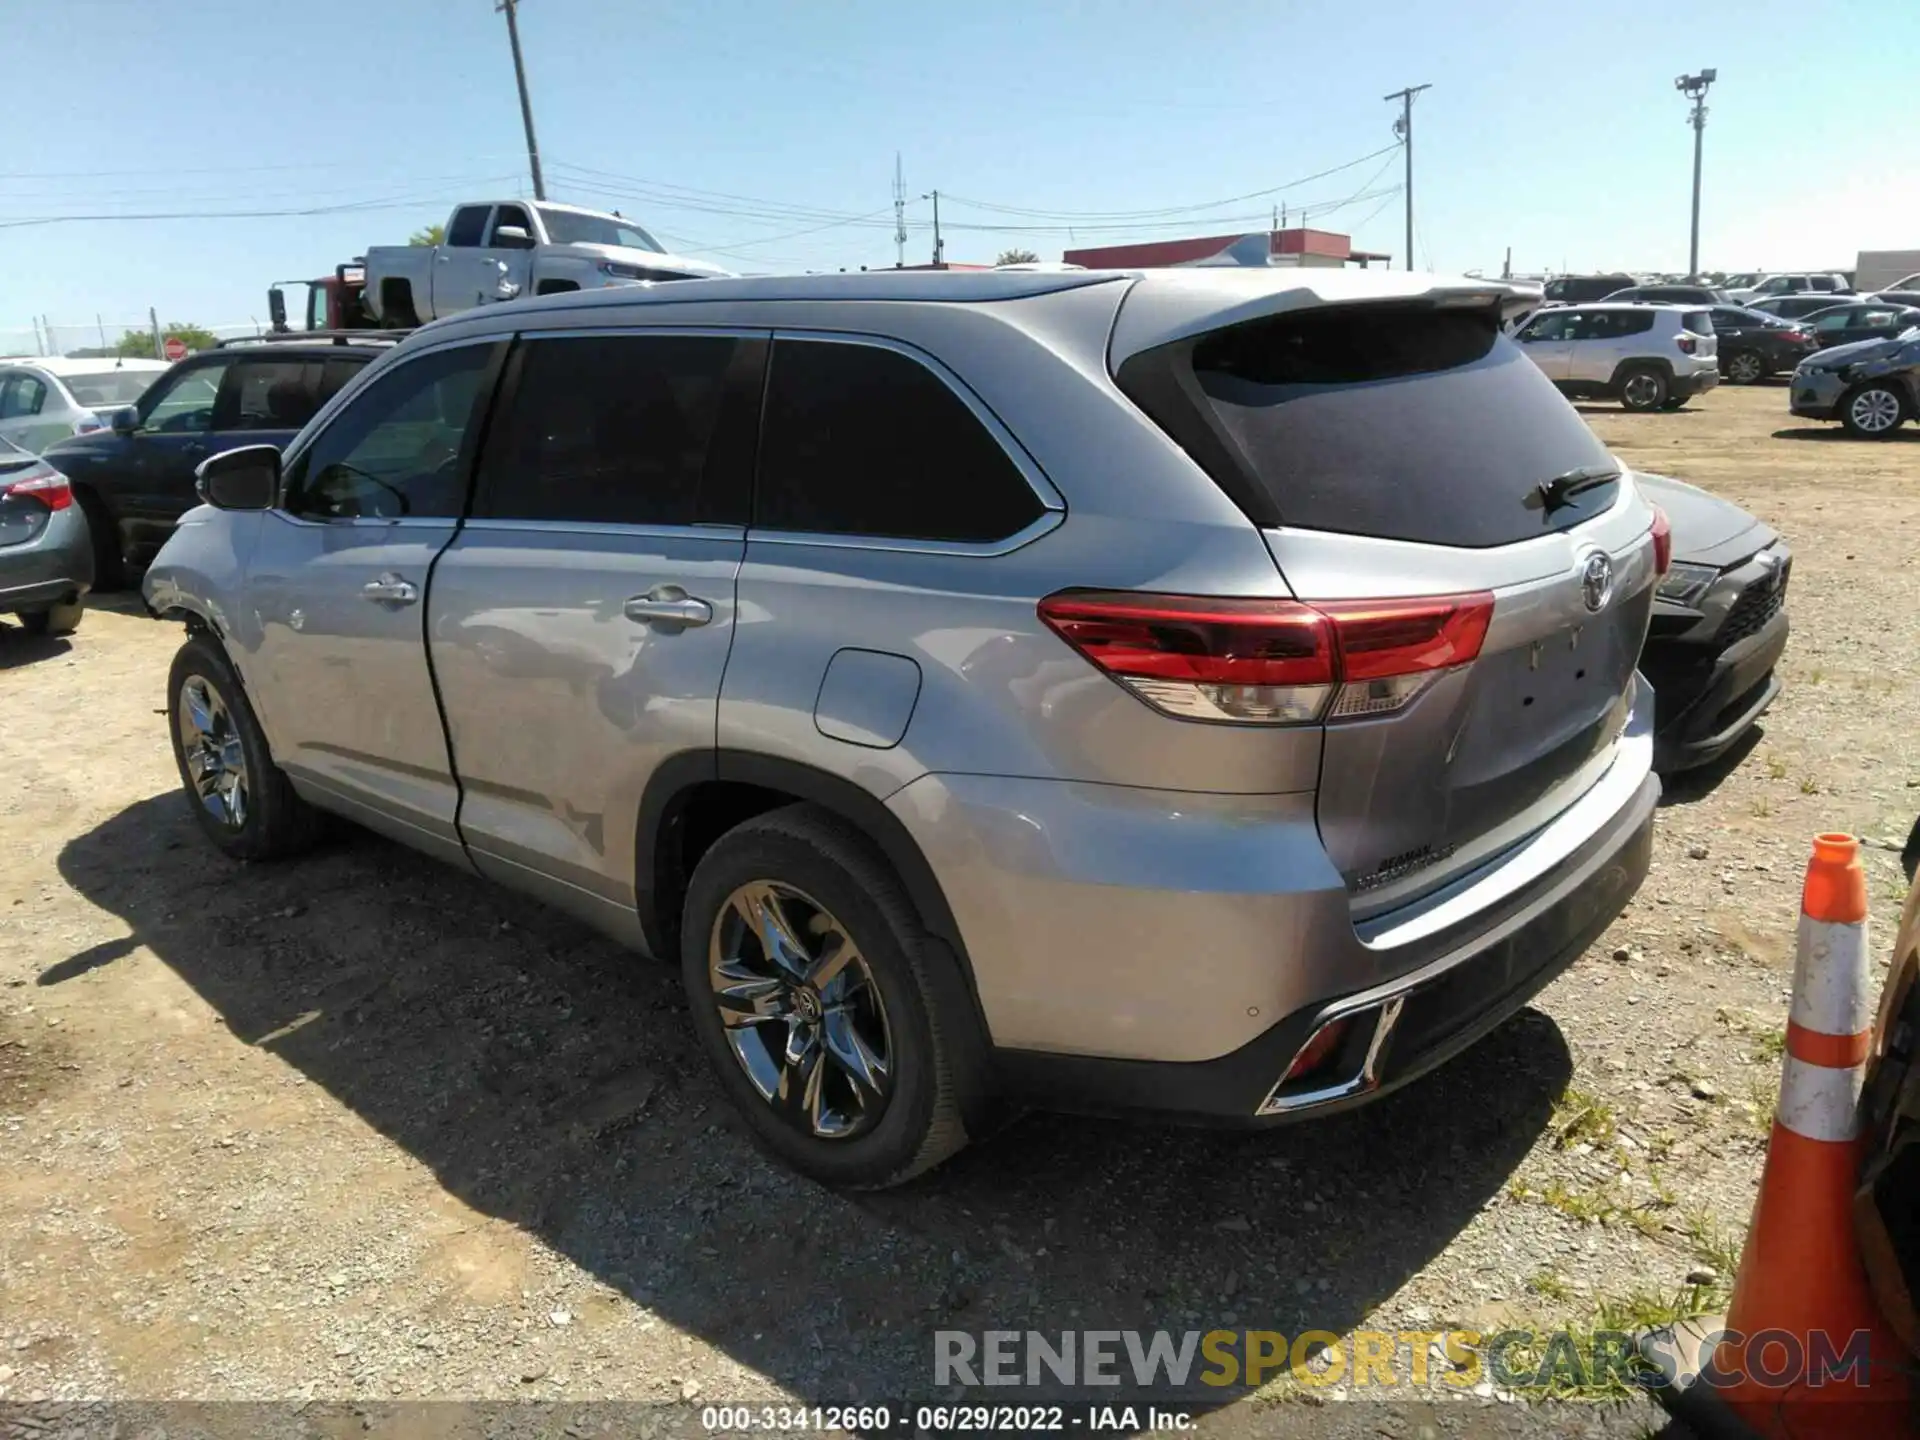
(336,337)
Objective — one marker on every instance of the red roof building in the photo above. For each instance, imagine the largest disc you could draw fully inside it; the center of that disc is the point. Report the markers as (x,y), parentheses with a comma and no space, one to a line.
(1277,247)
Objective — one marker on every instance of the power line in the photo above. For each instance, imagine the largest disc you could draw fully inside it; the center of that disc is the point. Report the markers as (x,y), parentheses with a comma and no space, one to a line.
(352,207)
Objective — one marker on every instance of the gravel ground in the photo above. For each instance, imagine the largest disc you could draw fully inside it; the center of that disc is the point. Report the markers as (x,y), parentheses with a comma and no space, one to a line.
(364,1129)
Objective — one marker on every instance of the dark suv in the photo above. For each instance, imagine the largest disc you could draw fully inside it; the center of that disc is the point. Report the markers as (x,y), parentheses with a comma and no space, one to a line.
(135,480)
(1580,289)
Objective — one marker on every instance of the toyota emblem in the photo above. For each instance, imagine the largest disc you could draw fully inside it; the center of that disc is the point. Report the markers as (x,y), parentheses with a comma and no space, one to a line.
(1596,581)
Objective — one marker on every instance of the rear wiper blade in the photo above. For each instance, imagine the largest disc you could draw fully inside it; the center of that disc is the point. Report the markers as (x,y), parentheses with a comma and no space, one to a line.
(1561,489)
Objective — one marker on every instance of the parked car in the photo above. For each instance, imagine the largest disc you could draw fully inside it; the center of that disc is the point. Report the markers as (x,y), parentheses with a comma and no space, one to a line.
(46,562)
(135,479)
(1753,345)
(1803,283)
(1872,388)
(1895,297)
(1794,307)
(1089,688)
(1846,323)
(499,251)
(44,400)
(1719,625)
(1668,295)
(1648,357)
(1582,289)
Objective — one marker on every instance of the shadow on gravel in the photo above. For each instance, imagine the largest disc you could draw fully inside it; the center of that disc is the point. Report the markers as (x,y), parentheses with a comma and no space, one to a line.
(1838,434)
(18,646)
(548,1077)
(1689,786)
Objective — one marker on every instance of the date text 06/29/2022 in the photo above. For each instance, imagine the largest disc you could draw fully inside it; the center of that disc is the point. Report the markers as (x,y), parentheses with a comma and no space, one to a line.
(942,1419)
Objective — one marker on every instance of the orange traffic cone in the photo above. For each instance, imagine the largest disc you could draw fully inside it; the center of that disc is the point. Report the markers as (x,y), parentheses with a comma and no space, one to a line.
(1802,1352)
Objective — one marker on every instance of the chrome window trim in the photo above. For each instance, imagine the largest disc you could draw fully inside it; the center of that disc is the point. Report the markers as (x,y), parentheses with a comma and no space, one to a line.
(595,332)
(1053,504)
(699,531)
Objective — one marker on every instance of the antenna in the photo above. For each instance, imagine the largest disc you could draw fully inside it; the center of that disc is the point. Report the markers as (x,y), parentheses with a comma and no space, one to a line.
(899,215)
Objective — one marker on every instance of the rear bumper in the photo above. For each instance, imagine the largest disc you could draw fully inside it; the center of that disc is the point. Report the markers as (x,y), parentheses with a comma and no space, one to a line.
(57,566)
(1170,952)
(1685,387)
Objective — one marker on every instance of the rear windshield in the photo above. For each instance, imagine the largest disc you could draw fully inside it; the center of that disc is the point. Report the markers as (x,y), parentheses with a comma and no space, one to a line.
(1698,321)
(109,387)
(1404,422)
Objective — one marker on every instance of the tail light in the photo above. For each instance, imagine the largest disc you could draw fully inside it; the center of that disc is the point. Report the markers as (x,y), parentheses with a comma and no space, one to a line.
(46,485)
(1798,336)
(1270,662)
(87,426)
(1662,542)
(1686,343)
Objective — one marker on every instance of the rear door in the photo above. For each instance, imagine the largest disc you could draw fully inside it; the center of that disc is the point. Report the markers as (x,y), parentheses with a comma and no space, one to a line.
(581,620)
(31,415)
(1399,449)
(337,581)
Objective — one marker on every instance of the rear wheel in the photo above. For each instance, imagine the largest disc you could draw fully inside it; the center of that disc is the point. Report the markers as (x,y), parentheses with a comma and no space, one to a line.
(55,619)
(1675,402)
(243,802)
(802,961)
(1745,367)
(1644,387)
(1873,412)
(396,305)
(103,534)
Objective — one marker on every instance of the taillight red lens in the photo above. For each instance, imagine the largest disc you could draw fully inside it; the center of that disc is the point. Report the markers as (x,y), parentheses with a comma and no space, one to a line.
(1662,542)
(47,486)
(1687,344)
(1270,661)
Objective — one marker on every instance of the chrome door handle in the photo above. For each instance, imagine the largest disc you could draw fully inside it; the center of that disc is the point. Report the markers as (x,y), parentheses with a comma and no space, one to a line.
(391,589)
(669,605)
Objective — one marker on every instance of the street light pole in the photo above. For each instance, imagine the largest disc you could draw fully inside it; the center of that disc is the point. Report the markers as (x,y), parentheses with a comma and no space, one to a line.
(1403,127)
(939,246)
(1694,87)
(526,105)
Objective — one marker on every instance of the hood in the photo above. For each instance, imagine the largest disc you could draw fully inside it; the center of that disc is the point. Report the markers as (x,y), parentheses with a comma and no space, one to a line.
(1836,356)
(648,259)
(95,445)
(1706,529)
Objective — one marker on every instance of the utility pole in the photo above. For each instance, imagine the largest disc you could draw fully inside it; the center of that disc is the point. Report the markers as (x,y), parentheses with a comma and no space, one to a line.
(1403,127)
(1694,87)
(899,214)
(526,105)
(939,246)
(153,319)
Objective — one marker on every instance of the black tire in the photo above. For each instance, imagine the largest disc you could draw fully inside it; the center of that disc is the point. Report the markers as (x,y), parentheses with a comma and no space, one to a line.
(1744,367)
(276,822)
(55,619)
(831,864)
(1676,402)
(556,287)
(109,561)
(1874,411)
(1644,388)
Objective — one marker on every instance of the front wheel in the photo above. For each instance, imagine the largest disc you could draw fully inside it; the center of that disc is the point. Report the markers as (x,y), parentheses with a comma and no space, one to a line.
(1745,367)
(1644,389)
(243,802)
(1873,412)
(802,961)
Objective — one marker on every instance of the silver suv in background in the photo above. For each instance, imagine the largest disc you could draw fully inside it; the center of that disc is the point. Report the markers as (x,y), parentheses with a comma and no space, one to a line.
(1648,357)
(1203,692)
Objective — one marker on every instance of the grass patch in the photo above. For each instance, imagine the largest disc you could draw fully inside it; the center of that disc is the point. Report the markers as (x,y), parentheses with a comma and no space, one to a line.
(1549,1285)
(1762,808)
(1809,785)
(1579,1117)
(1770,1044)
(1776,768)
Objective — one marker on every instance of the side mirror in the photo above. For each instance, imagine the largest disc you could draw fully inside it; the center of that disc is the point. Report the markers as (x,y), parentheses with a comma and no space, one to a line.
(243,479)
(277,309)
(512,237)
(125,420)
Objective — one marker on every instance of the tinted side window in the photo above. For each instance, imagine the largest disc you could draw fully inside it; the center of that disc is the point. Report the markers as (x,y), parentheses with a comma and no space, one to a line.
(264,395)
(1698,321)
(395,449)
(182,400)
(469,224)
(1637,323)
(861,440)
(334,375)
(611,429)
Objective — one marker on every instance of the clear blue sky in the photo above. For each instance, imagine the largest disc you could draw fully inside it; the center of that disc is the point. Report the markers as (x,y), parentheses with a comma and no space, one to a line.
(1553,129)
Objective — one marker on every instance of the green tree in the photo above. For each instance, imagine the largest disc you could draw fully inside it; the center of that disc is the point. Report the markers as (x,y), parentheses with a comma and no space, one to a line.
(430,235)
(138,344)
(1017,257)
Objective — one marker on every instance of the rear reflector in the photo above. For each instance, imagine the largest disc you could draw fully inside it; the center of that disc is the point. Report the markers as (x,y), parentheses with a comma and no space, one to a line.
(1662,542)
(1274,662)
(46,485)
(1317,1051)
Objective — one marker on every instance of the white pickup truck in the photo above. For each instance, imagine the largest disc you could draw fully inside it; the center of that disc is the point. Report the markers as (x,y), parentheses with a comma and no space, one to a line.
(501,250)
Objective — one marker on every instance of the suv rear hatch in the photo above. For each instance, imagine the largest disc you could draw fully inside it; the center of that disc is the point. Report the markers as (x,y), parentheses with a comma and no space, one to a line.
(1403,447)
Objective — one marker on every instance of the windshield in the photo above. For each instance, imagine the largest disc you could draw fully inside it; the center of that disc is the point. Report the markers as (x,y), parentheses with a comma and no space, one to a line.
(570,227)
(109,388)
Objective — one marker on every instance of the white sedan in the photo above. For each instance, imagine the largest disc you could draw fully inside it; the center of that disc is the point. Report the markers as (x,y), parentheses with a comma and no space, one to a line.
(44,400)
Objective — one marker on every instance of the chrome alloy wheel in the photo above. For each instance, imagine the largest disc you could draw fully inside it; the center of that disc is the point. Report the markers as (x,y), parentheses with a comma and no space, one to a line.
(216,763)
(1642,390)
(1875,411)
(801,1010)
(1744,368)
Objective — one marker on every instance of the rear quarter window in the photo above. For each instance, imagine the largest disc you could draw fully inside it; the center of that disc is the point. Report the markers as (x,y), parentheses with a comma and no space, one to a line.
(1698,321)
(1404,422)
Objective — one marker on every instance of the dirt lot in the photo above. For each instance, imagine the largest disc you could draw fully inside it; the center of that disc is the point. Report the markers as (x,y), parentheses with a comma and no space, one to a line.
(360,1126)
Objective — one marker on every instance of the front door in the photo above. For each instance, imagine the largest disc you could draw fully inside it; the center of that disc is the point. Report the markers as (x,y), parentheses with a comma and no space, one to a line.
(466,272)
(1546,342)
(176,430)
(339,580)
(581,620)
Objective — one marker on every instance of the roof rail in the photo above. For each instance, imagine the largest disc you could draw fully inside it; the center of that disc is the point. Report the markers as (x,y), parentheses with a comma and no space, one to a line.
(336,337)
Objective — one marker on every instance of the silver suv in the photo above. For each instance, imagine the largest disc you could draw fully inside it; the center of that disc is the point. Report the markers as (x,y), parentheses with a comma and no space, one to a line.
(1209,692)
(1648,357)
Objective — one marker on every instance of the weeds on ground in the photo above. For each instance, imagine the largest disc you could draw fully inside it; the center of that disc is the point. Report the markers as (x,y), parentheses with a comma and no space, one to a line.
(1776,768)
(1762,808)
(1549,1285)
(1809,785)
(1578,1117)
